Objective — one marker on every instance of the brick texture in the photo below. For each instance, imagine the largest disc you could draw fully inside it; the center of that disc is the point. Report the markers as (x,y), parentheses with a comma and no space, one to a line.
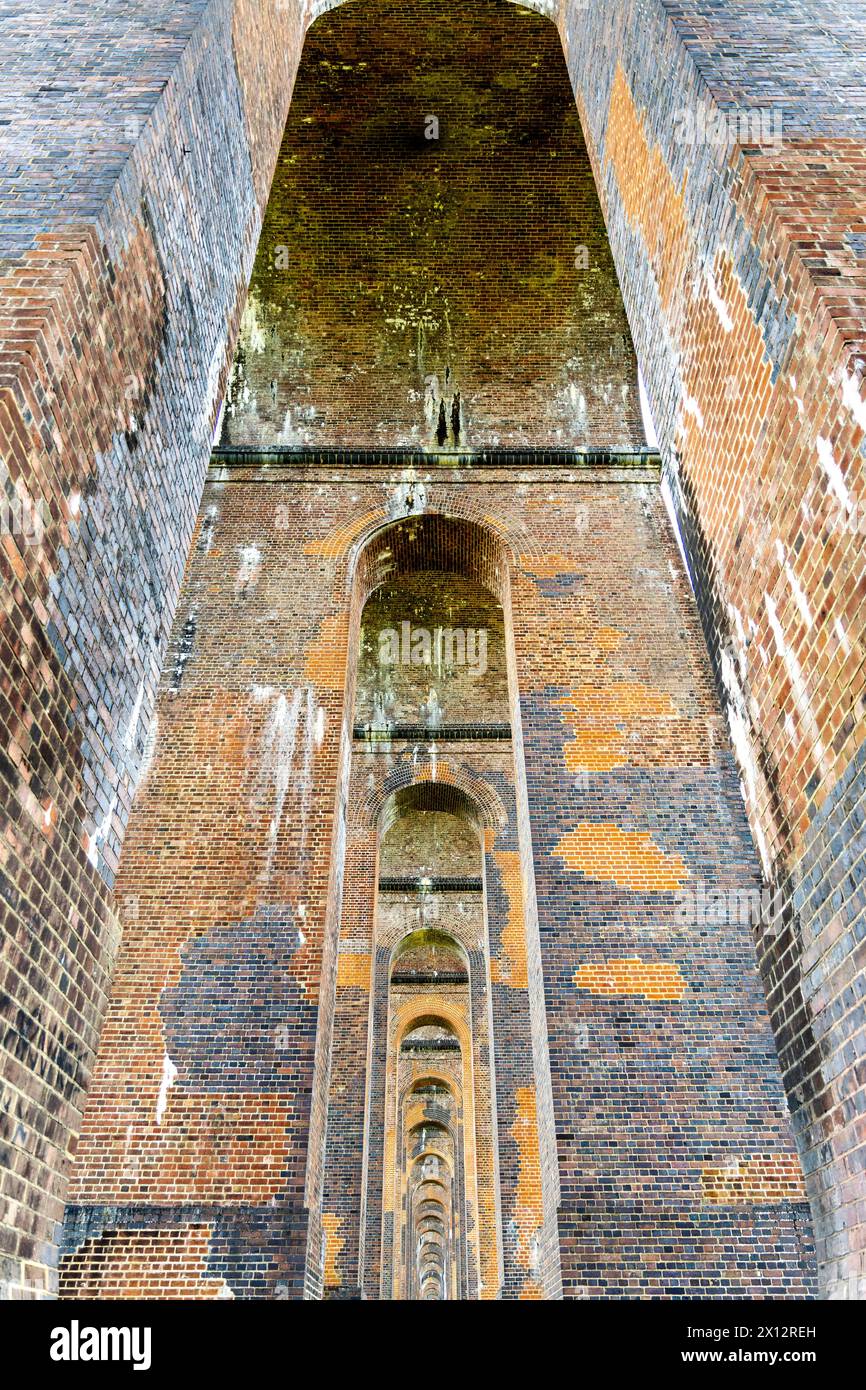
(742,266)
(139,146)
(651,1056)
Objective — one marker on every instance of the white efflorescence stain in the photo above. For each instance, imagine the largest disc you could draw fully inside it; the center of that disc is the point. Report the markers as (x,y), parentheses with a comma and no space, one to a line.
(738,722)
(801,694)
(408,499)
(796,587)
(289,740)
(249,569)
(149,750)
(691,407)
(718,302)
(132,729)
(100,835)
(169,1076)
(834,474)
(852,399)
(736,618)
(839,628)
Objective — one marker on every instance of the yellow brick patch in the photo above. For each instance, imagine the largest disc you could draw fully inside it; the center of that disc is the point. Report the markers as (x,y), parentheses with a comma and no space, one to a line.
(605,853)
(353,971)
(763,1178)
(511,970)
(594,751)
(333,1247)
(546,566)
(528,1214)
(651,200)
(649,979)
(327,655)
(619,701)
(608,639)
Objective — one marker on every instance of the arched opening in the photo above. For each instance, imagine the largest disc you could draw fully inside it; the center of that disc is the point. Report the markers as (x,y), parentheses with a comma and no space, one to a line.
(437,886)
(434,267)
(433,1184)
(424,634)
(432,1143)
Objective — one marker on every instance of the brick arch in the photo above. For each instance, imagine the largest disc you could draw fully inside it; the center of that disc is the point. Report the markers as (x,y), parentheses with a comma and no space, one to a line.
(438,1078)
(422,936)
(349,543)
(433,540)
(432,1237)
(432,1125)
(441,1154)
(458,791)
(429,1223)
(429,1183)
(419,1012)
(438,1133)
(432,1214)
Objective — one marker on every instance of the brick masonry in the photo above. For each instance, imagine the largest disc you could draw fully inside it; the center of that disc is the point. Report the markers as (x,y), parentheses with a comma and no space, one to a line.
(673,1170)
(120,287)
(742,266)
(123,282)
(447,193)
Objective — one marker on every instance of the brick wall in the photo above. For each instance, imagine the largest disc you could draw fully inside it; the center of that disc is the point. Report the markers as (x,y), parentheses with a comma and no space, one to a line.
(743,269)
(250,856)
(122,283)
(433,264)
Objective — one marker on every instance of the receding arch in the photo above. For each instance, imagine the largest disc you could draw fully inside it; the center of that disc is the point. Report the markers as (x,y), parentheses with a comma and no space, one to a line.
(438,542)
(419,943)
(447,786)
(417,778)
(434,1083)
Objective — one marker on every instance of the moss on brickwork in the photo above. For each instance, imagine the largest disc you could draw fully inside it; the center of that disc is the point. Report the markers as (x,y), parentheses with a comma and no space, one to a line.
(434,263)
